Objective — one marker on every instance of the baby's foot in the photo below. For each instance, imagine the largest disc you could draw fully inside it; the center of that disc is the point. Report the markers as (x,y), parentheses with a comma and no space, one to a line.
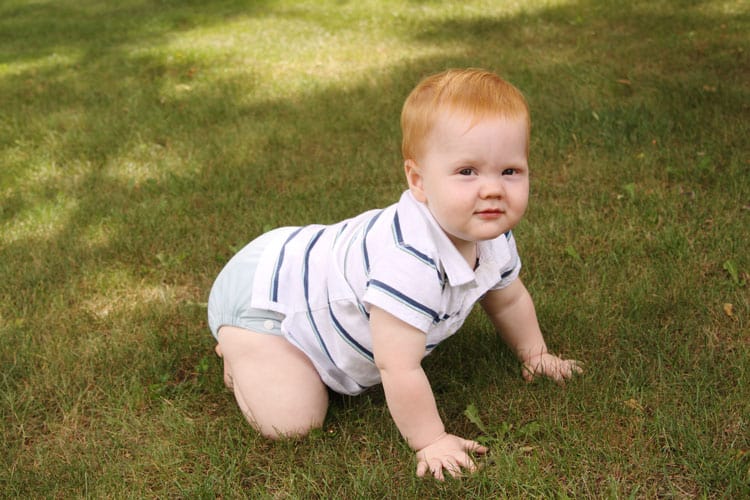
(227,375)
(228,378)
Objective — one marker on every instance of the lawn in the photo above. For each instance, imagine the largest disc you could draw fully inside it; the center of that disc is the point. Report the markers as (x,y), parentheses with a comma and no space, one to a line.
(143,142)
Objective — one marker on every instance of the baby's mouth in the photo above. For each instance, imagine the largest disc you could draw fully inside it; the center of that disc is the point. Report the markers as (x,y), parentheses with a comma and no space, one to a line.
(489,213)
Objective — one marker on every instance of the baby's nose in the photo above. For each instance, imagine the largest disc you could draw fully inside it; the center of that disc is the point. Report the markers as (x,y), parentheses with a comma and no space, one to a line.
(492,188)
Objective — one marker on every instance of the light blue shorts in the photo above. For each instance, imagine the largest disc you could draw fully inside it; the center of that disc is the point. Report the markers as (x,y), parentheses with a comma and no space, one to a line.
(229,300)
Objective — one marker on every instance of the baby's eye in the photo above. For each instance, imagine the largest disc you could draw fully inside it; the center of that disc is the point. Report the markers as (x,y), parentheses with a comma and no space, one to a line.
(466,171)
(509,171)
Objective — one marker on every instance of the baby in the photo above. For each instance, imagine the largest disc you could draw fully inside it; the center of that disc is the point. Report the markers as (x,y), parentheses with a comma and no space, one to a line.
(361,302)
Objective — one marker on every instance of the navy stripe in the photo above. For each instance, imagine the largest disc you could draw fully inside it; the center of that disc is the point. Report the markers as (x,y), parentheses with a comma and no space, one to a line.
(312,243)
(365,254)
(362,309)
(407,300)
(356,345)
(277,269)
(409,248)
(398,236)
(306,283)
(340,231)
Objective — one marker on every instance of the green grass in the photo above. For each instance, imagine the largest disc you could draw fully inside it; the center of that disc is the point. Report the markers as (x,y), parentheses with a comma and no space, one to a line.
(142,142)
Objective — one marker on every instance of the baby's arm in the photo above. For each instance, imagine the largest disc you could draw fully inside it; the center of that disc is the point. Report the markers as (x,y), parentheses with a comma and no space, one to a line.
(511,310)
(398,349)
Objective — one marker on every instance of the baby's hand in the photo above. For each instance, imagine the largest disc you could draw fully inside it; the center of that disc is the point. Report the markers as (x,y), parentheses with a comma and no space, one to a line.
(550,366)
(450,453)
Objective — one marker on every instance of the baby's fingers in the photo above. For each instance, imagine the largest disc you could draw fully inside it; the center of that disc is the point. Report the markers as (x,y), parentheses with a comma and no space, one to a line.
(527,372)
(434,467)
(565,371)
(454,465)
(577,366)
(454,468)
(450,453)
(474,447)
(572,367)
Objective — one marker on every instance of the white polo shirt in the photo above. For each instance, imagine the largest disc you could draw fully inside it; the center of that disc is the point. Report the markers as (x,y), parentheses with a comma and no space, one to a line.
(325,278)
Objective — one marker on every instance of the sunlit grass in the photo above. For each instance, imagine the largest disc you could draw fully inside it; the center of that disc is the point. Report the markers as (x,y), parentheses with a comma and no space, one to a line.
(143,143)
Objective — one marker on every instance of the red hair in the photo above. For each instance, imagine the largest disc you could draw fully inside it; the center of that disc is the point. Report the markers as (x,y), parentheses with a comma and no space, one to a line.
(476,93)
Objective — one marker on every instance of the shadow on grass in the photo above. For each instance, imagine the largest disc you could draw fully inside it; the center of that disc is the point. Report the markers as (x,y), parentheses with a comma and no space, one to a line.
(125,156)
(34,30)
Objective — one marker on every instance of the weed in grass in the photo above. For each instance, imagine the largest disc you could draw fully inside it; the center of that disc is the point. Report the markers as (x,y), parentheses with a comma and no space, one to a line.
(731,268)
(503,434)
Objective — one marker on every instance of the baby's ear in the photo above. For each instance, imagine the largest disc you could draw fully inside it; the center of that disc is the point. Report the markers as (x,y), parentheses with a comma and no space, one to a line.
(414,178)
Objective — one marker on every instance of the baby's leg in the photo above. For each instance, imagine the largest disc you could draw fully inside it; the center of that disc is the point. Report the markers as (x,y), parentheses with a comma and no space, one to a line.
(275,384)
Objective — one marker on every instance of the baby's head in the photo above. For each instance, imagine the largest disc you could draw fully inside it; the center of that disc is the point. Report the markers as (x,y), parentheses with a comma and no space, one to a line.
(473,93)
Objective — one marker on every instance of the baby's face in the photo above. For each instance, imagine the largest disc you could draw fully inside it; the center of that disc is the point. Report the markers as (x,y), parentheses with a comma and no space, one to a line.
(474,180)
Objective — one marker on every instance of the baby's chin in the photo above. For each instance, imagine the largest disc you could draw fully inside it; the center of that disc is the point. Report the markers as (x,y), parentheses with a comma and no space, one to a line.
(492,234)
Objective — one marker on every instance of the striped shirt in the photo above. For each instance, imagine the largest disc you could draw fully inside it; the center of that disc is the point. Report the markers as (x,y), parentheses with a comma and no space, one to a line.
(325,278)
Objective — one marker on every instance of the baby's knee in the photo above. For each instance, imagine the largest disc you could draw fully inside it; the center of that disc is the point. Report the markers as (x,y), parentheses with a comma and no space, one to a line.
(292,432)
(277,423)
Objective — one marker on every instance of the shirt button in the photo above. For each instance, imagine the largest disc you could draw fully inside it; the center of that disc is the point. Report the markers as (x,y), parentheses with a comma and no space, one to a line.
(268,324)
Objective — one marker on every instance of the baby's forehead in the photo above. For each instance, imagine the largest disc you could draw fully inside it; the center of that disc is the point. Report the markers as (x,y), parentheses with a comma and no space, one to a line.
(452,131)
(463,120)
(476,115)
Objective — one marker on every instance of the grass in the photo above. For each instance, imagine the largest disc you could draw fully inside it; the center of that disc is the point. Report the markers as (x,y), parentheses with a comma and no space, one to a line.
(143,142)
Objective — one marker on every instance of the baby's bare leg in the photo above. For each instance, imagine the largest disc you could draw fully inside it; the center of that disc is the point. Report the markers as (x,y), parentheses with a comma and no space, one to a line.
(275,384)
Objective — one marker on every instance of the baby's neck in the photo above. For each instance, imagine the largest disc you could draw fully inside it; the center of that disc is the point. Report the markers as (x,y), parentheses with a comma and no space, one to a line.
(469,252)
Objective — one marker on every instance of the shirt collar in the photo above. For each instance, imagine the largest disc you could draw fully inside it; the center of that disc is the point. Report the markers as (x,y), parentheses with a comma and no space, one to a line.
(456,268)
(492,254)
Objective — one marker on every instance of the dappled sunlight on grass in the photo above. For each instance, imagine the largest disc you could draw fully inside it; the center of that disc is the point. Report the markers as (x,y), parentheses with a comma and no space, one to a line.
(37,214)
(142,143)
(113,292)
(30,67)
